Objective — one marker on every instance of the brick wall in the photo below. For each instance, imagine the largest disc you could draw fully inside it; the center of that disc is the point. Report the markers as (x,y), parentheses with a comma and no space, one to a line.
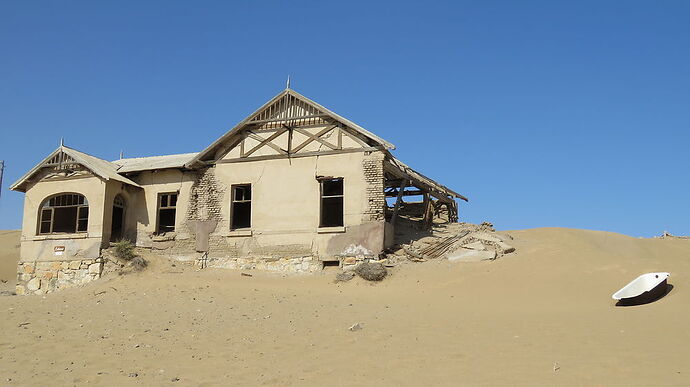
(206,196)
(373,175)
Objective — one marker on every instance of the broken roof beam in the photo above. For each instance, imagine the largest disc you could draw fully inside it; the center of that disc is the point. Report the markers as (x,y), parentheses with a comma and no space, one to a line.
(398,169)
(392,194)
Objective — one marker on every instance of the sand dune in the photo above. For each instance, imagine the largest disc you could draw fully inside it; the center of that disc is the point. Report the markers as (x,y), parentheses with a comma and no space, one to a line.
(540,316)
(9,254)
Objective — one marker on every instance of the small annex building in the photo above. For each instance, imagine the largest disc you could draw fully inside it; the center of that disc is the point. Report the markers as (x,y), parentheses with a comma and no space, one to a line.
(292,187)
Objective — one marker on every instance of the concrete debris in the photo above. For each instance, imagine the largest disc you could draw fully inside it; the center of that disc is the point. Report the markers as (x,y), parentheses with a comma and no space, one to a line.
(457,242)
(464,255)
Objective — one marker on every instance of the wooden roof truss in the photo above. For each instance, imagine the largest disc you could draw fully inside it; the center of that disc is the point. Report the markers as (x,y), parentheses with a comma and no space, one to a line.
(302,120)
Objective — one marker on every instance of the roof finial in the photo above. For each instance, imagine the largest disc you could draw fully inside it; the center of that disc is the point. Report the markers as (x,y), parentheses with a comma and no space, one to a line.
(62,141)
(288,82)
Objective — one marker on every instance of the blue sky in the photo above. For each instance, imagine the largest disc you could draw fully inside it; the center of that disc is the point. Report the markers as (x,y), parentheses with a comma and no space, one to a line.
(543,113)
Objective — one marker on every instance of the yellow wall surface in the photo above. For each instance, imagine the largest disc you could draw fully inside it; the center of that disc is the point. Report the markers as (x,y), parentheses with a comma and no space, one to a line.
(144,203)
(36,247)
(286,198)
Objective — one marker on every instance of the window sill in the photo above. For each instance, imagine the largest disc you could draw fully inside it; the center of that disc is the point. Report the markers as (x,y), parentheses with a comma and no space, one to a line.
(330,230)
(240,233)
(81,235)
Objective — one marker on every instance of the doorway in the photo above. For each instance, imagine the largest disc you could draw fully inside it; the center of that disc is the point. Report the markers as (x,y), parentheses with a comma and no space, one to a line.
(117,226)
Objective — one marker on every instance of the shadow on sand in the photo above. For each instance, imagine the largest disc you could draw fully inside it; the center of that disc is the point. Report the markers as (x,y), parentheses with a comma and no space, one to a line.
(646,297)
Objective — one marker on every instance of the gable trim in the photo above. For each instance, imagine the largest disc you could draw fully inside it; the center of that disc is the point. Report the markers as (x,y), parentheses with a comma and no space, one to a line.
(57,158)
(262,116)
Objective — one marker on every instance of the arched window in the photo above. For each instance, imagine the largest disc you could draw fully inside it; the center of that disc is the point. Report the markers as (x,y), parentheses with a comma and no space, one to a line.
(64,214)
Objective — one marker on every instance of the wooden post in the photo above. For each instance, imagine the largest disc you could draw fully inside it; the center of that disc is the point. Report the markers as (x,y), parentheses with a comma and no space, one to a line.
(428,212)
(403,184)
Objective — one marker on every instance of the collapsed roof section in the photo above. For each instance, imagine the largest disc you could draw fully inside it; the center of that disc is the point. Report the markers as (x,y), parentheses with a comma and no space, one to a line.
(66,160)
(399,171)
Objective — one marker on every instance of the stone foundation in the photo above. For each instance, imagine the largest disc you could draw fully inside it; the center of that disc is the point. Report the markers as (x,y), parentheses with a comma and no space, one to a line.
(48,276)
(307,264)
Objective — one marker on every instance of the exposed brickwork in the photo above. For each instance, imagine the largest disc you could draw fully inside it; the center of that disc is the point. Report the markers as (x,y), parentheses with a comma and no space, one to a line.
(206,196)
(373,175)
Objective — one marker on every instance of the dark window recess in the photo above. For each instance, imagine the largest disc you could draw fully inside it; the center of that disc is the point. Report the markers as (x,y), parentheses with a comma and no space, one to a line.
(331,203)
(241,206)
(330,264)
(64,214)
(167,203)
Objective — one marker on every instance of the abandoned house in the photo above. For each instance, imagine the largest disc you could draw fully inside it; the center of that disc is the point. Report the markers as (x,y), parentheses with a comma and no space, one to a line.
(293,187)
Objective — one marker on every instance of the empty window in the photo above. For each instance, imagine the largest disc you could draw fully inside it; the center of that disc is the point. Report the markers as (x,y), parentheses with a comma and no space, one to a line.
(167,204)
(331,202)
(241,206)
(64,214)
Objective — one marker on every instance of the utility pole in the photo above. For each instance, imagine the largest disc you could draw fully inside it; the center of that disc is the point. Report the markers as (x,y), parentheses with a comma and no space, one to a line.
(2,171)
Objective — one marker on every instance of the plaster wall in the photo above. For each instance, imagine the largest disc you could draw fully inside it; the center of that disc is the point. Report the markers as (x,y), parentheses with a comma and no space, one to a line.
(36,247)
(286,205)
(143,204)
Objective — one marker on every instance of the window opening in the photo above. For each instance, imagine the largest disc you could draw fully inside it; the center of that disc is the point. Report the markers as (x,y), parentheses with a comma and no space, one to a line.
(331,202)
(64,214)
(167,205)
(241,206)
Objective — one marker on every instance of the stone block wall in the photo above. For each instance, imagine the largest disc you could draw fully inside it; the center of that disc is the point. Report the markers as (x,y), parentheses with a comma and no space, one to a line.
(373,175)
(48,276)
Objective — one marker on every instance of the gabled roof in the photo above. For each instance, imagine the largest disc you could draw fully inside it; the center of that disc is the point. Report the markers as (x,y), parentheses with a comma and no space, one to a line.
(267,111)
(98,167)
(136,164)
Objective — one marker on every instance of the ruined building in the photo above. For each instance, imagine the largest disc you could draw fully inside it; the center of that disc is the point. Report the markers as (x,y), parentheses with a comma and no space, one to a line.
(293,187)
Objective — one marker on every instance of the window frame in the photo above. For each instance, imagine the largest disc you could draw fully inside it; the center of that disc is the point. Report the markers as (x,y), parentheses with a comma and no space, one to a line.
(232,205)
(159,201)
(46,207)
(322,197)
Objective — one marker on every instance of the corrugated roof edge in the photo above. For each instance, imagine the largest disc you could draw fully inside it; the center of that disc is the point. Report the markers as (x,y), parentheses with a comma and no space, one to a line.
(137,164)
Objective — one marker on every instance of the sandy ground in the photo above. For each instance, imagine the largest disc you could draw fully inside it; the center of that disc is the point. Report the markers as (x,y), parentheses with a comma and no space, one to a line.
(541,316)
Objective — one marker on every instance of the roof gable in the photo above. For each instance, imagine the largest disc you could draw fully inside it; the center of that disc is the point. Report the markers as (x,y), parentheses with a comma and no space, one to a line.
(286,111)
(65,159)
